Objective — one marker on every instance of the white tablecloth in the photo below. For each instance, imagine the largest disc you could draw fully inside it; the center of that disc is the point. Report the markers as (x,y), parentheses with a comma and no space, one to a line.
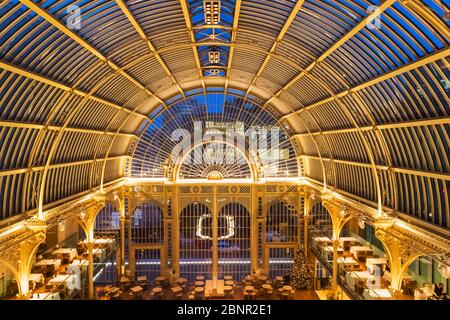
(46,296)
(351,240)
(71,252)
(70,281)
(48,262)
(77,264)
(347,261)
(37,277)
(329,249)
(357,250)
(371,262)
(137,289)
(377,294)
(351,277)
(141,278)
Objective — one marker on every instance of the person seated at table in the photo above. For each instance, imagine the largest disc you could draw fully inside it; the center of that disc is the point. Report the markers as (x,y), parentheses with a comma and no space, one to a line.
(439,291)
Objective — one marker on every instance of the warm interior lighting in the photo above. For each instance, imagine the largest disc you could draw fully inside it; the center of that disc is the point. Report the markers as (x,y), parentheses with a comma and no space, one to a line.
(214,57)
(215,175)
(212,11)
(230,226)
(214,72)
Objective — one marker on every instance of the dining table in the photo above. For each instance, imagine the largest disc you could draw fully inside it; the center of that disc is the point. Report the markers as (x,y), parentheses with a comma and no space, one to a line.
(157,290)
(287,288)
(361,251)
(371,263)
(352,276)
(176,289)
(227,289)
(348,261)
(71,253)
(347,264)
(267,287)
(229,282)
(249,288)
(69,281)
(37,277)
(56,263)
(141,278)
(78,265)
(377,294)
(137,289)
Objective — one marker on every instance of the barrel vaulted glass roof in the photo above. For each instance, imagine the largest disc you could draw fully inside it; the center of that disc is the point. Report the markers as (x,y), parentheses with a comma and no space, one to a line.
(360,87)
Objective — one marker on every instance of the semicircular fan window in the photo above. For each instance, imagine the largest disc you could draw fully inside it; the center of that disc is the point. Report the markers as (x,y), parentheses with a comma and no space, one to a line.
(214,158)
(198,118)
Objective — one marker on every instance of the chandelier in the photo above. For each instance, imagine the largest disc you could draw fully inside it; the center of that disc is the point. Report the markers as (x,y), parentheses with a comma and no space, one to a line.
(229,223)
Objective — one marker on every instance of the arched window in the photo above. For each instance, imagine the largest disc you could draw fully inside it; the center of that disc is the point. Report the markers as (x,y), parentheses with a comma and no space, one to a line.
(320,223)
(195,241)
(107,222)
(234,240)
(282,222)
(147,226)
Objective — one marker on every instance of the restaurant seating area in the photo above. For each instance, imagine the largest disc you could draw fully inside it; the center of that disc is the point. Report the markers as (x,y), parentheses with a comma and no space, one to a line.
(62,273)
(364,274)
(251,287)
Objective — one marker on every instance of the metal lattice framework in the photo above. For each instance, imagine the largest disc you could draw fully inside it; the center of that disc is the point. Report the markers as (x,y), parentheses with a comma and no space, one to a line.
(367,108)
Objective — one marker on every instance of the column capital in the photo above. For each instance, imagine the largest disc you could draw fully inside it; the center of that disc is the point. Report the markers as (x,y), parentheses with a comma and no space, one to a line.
(90,244)
(87,216)
(400,253)
(36,224)
(19,256)
(383,222)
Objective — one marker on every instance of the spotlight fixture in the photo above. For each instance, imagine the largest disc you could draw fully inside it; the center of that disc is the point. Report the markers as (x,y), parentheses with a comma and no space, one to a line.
(212,11)
(214,72)
(214,57)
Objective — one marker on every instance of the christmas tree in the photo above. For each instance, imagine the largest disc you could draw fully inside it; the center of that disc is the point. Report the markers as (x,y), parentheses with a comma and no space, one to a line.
(300,274)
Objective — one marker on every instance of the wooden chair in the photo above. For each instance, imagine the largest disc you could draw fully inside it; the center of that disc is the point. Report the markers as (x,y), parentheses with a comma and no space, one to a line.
(65,260)
(199,294)
(80,249)
(285,295)
(411,287)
